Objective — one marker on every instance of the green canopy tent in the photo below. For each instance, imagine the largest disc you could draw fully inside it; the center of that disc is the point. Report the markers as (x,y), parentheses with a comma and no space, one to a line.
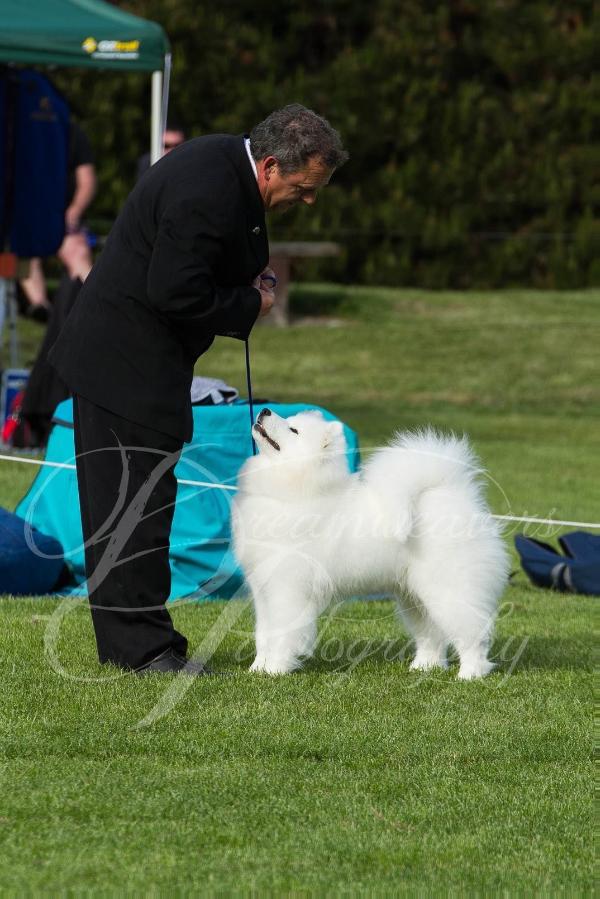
(90,34)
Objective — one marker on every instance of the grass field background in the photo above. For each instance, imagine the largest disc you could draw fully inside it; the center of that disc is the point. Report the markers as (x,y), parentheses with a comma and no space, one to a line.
(354,775)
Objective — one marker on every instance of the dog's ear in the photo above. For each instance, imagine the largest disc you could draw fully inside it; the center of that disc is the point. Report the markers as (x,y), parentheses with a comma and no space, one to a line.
(334,430)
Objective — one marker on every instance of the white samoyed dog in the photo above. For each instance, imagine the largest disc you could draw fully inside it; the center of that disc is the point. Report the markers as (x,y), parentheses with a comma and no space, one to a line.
(413,524)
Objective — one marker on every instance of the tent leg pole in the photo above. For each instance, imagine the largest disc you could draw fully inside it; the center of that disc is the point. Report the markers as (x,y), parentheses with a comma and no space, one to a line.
(165,91)
(156,125)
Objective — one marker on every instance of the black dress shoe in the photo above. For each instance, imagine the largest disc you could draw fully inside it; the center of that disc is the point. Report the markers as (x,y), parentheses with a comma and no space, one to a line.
(170,662)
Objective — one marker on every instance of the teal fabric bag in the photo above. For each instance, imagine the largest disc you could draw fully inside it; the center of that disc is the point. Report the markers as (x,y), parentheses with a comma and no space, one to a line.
(202,564)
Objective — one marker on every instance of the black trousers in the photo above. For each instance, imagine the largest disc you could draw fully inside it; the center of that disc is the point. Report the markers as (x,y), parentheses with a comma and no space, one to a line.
(127,491)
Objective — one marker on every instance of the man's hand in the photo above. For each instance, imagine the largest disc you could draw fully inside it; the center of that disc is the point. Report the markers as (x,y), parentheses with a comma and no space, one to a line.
(267,299)
(269,278)
(264,284)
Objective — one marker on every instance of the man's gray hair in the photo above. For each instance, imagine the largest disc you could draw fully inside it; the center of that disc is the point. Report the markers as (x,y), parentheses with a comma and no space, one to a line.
(295,134)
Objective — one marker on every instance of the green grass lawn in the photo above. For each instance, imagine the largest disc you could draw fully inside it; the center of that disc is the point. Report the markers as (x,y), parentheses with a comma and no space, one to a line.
(354,775)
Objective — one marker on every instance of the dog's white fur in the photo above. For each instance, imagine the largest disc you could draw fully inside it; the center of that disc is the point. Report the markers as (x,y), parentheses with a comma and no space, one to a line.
(413,523)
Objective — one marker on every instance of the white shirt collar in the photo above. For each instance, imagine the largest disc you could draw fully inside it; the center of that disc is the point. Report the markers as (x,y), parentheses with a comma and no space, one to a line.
(250,157)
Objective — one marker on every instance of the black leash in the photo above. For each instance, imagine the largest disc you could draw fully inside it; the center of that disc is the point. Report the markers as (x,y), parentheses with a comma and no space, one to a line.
(250,399)
(273,281)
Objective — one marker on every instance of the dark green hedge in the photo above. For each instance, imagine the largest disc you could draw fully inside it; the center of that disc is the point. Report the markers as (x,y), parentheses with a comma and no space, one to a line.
(469,126)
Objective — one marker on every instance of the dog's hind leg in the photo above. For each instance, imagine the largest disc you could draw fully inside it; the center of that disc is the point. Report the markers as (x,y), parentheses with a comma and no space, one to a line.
(474,660)
(431,642)
(464,614)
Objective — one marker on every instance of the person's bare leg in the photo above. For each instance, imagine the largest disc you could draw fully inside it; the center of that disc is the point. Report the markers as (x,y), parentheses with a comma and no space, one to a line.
(34,285)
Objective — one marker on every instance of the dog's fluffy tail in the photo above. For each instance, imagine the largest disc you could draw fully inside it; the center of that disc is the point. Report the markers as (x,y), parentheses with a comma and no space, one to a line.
(416,461)
(425,458)
(432,459)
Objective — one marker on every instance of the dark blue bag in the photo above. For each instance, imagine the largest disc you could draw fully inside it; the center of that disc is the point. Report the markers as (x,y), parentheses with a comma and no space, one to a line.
(30,562)
(578,571)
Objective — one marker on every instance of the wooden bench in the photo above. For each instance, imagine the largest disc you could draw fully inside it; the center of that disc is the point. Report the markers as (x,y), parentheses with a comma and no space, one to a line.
(282,255)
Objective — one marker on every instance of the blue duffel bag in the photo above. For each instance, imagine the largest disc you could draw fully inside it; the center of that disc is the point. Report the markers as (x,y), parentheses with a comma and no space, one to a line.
(30,562)
(578,571)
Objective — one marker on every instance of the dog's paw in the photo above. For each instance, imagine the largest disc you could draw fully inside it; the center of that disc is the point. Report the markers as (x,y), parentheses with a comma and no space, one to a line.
(422,662)
(473,669)
(264,665)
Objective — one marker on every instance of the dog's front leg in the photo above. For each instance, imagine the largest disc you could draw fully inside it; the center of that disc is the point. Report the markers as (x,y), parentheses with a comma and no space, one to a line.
(285,630)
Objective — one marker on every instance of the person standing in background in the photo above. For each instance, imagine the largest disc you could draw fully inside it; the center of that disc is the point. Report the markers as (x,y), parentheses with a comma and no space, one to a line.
(45,389)
(74,252)
(174,136)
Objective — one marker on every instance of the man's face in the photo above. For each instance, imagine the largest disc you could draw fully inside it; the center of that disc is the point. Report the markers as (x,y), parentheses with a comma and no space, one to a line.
(172,139)
(281,192)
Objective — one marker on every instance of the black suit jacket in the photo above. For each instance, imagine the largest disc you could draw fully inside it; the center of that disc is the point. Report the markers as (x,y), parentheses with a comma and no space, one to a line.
(174,273)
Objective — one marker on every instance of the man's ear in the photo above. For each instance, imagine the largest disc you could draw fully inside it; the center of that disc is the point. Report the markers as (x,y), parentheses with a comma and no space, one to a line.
(268,163)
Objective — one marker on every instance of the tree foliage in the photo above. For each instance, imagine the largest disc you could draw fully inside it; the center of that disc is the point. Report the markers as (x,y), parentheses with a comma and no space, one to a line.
(469,126)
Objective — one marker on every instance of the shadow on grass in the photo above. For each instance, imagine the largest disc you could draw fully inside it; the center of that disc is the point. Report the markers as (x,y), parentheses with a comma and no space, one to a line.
(511,654)
(573,653)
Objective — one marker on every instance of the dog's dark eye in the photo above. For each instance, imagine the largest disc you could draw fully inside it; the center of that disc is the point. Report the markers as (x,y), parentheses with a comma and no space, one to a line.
(293,430)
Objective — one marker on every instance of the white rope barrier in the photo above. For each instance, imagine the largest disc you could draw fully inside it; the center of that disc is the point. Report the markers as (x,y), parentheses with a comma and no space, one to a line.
(206,484)
(523,518)
(37,462)
(44,462)
(568,524)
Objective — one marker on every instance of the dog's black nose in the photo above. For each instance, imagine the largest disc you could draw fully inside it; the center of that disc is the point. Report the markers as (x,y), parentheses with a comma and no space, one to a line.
(264,413)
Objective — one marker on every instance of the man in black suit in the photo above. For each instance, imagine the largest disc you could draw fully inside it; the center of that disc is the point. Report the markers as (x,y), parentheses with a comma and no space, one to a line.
(185,262)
